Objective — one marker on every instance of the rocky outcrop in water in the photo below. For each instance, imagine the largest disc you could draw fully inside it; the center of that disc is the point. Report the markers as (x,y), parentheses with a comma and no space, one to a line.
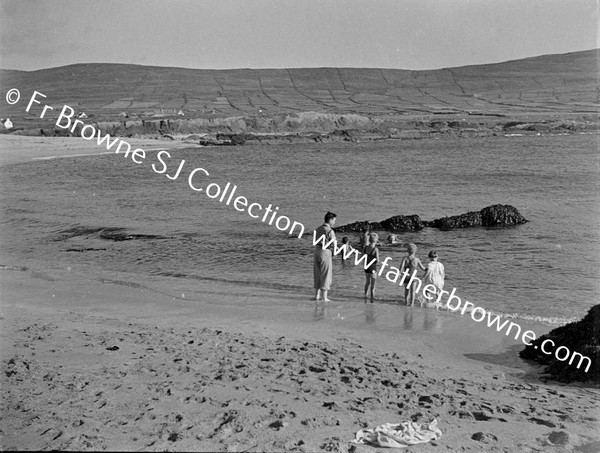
(581,337)
(396,223)
(403,223)
(491,216)
(501,215)
(468,220)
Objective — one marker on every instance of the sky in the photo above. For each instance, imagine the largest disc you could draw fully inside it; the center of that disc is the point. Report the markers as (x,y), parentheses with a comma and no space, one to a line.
(225,34)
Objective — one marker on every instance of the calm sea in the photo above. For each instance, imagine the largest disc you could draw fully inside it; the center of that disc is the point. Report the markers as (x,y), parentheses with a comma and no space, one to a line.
(66,214)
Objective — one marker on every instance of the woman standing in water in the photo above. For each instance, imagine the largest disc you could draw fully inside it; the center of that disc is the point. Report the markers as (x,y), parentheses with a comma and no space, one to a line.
(323,266)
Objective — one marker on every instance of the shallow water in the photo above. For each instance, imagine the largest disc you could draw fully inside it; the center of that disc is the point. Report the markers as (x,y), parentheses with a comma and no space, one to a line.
(108,216)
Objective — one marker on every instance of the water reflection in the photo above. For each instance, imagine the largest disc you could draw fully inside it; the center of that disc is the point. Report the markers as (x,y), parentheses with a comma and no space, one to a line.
(319,313)
(369,314)
(428,321)
(408,319)
(432,321)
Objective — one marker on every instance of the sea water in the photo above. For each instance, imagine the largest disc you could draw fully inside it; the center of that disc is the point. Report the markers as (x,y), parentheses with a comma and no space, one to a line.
(118,221)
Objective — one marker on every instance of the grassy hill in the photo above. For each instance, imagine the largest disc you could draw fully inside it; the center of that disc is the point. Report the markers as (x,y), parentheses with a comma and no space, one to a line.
(551,88)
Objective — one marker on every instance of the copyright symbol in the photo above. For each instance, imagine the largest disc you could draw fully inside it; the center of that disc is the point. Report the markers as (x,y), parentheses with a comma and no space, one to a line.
(12,96)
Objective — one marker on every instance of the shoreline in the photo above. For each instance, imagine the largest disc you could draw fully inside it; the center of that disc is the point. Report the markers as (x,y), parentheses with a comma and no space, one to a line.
(16,148)
(442,332)
(316,127)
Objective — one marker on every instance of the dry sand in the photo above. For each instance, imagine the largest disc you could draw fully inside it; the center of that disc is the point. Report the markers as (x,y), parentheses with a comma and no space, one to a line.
(94,365)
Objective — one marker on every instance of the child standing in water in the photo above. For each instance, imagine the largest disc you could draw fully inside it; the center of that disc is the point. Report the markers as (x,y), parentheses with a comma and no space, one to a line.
(412,264)
(364,237)
(347,251)
(435,273)
(372,253)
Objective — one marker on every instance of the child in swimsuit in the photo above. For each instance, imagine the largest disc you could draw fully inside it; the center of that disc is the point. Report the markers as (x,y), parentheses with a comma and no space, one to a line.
(412,264)
(372,253)
(349,248)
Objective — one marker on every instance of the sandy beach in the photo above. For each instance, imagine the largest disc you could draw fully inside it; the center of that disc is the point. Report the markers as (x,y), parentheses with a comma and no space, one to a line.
(101,366)
(15,148)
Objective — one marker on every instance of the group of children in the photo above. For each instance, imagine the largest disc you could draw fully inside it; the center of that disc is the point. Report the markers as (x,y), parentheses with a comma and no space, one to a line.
(434,272)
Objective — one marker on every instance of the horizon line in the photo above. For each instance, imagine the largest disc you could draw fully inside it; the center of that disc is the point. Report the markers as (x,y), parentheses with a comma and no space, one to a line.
(597,49)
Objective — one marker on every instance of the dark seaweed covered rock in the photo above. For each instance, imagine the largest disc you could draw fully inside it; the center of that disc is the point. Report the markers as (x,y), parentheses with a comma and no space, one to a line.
(402,223)
(355,227)
(396,223)
(581,337)
(490,216)
(501,215)
(468,220)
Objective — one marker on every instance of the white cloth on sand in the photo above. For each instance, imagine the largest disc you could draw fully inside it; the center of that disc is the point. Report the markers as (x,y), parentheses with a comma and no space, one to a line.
(399,435)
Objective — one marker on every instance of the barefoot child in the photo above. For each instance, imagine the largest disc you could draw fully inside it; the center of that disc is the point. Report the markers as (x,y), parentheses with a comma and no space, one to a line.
(435,274)
(372,253)
(348,250)
(412,264)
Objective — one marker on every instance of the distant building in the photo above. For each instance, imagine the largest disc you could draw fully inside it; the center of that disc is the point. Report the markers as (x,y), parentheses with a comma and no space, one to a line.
(82,115)
(180,113)
(7,123)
